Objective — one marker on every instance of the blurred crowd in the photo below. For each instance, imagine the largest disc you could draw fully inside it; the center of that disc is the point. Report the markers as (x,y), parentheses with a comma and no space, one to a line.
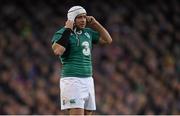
(139,73)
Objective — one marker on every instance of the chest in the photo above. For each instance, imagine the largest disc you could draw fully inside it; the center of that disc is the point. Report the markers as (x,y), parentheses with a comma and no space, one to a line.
(81,40)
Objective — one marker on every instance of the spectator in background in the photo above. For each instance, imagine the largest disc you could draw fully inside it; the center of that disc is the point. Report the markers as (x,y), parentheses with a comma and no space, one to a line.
(143,66)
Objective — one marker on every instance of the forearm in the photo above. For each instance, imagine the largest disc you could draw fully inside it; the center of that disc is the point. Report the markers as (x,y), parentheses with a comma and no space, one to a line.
(60,46)
(104,35)
(58,49)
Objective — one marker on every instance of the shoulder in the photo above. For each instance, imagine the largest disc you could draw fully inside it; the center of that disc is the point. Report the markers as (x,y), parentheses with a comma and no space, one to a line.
(91,31)
(58,34)
(88,30)
(60,30)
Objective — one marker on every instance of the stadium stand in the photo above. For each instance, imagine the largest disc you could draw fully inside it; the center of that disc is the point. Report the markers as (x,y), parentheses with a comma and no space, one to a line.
(138,74)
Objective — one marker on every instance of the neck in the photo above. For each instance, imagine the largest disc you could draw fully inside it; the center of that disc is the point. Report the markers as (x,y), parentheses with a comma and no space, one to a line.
(77,30)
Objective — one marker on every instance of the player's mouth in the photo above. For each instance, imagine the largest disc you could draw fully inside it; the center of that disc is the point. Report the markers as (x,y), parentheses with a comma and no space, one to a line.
(83,25)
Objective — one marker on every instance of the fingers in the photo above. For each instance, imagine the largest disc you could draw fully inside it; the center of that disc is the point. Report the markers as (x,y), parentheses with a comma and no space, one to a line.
(90,20)
(69,24)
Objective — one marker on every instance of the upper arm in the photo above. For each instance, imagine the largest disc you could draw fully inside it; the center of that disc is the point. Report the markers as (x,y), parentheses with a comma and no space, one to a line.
(97,38)
(56,37)
(101,41)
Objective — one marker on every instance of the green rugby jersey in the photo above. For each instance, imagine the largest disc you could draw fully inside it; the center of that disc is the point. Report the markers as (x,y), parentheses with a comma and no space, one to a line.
(76,60)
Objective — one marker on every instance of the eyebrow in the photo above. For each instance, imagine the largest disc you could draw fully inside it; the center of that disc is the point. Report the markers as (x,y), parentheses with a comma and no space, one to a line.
(80,16)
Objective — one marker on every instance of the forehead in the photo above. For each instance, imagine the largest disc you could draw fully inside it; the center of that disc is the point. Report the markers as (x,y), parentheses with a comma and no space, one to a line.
(81,15)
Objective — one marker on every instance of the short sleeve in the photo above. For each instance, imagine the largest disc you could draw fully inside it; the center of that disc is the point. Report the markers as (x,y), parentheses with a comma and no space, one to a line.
(95,37)
(94,34)
(57,35)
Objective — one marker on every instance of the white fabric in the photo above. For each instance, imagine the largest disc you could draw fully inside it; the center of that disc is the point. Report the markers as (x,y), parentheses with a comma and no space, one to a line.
(74,11)
(77,93)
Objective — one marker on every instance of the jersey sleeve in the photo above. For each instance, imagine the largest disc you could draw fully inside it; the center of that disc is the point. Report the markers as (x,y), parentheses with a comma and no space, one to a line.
(95,36)
(57,35)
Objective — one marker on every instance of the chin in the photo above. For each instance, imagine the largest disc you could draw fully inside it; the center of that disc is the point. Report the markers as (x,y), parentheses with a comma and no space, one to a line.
(82,27)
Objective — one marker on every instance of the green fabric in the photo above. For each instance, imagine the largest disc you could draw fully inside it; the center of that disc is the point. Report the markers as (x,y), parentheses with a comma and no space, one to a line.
(78,62)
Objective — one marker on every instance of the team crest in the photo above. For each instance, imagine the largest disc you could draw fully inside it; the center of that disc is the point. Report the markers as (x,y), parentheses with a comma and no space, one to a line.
(87,35)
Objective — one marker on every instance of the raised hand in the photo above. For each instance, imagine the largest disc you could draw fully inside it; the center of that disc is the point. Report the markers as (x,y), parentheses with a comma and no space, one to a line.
(91,20)
(69,24)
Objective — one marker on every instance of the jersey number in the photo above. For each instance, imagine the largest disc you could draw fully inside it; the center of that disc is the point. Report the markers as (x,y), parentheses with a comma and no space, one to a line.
(86,49)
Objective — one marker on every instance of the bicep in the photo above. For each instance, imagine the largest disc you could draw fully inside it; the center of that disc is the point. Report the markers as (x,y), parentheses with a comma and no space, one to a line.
(101,41)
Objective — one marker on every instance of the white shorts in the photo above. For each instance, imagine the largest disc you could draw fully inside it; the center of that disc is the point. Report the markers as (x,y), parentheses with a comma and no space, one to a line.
(77,93)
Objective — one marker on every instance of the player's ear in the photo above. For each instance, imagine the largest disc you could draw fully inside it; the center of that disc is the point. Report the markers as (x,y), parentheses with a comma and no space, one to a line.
(74,22)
